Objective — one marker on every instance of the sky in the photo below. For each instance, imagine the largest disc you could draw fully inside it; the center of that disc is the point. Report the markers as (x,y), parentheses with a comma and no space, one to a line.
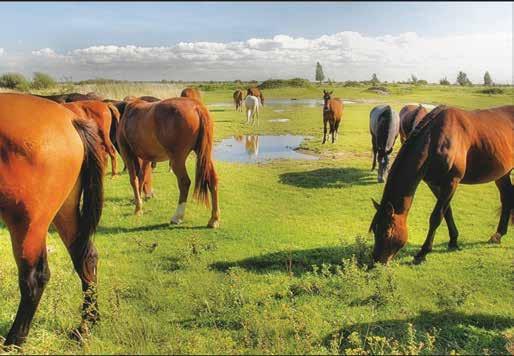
(257,40)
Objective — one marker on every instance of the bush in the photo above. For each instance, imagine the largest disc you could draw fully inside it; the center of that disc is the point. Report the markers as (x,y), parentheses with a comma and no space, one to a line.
(281,83)
(378,89)
(491,91)
(14,81)
(42,81)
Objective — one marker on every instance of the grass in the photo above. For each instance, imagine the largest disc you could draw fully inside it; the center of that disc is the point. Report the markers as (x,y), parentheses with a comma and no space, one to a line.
(286,272)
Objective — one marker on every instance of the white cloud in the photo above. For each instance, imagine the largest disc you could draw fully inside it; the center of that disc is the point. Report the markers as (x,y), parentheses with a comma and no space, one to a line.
(2,51)
(344,55)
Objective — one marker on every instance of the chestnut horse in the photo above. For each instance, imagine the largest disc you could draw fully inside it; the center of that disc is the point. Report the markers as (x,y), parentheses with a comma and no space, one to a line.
(169,130)
(147,98)
(192,93)
(332,114)
(384,126)
(410,117)
(50,160)
(71,97)
(238,99)
(449,147)
(106,117)
(256,92)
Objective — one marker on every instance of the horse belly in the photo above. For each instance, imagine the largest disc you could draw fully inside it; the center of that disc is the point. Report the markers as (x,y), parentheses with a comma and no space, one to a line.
(486,167)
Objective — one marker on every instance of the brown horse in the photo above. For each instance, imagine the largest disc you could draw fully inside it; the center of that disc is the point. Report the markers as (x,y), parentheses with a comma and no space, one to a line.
(449,147)
(50,160)
(106,117)
(332,114)
(238,99)
(410,117)
(71,97)
(256,92)
(147,98)
(170,130)
(192,93)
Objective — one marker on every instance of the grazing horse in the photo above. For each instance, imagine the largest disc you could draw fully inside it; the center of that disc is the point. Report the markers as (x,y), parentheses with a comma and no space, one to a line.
(238,99)
(410,117)
(50,161)
(192,93)
(169,130)
(256,92)
(252,109)
(332,114)
(450,146)
(106,117)
(384,127)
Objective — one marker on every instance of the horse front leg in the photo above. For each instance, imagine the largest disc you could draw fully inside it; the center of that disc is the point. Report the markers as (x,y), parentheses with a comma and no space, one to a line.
(324,131)
(374,144)
(448,217)
(443,201)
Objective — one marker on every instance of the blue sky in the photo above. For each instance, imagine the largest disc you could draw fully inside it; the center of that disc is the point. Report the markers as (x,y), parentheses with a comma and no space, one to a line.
(64,27)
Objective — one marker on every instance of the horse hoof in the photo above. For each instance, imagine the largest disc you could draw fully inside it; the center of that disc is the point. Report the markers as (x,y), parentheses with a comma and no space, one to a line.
(453,247)
(419,260)
(138,212)
(214,224)
(495,239)
(176,220)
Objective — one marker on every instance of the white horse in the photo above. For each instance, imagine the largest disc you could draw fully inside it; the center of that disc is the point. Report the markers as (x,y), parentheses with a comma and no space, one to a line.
(252,104)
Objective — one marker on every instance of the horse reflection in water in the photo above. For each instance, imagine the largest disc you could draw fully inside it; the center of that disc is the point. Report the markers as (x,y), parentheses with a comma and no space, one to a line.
(252,145)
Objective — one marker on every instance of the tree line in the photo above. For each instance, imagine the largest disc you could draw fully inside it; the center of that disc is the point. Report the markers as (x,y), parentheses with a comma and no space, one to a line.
(18,82)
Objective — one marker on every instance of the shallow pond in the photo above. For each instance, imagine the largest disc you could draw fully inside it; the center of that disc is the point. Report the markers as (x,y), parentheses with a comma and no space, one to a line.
(259,148)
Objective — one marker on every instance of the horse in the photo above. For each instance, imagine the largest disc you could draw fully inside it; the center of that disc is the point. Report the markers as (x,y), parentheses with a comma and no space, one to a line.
(252,145)
(169,130)
(450,146)
(410,117)
(252,109)
(332,114)
(50,161)
(106,116)
(71,97)
(255,92)
(384,126)
(238,99)
(192,93)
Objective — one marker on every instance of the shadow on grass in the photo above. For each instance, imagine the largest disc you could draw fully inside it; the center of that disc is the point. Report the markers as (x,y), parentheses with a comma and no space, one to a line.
(471,333)
(329,178)
(153,227)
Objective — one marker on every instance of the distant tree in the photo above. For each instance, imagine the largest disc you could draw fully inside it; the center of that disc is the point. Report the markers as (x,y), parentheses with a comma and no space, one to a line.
(320,76)
(42,81)
(487,79)
(444,81)
(14,81)
(413,79)
(374,79)
(462,79)
(421,82)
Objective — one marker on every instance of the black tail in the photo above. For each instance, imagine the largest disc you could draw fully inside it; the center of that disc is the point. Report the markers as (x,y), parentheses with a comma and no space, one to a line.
(115,115)
(91,179)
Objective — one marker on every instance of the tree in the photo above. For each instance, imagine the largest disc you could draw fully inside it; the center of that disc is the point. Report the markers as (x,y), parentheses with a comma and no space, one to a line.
(487,79)
(444,81)
(462,79)
(42,81)
(14,81)
(320,76)
(374,79)
(413,79)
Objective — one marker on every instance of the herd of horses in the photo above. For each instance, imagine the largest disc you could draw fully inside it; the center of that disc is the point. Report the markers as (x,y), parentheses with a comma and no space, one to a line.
(53,152)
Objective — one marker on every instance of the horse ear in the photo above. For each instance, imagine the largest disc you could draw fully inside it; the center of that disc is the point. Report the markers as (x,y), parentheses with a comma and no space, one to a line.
(389,209)
(375,204)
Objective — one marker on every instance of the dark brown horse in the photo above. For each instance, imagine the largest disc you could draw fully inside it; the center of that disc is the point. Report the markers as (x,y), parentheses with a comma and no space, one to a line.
(449,147)
(410,117)
(256,92)
(238,99)
(332,115)
(50,161)
(106,116)
(168,131)
(192,93)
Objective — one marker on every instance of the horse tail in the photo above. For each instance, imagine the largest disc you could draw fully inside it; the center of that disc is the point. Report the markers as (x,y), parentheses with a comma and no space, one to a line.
(115,118)
(205,174)
(91,179)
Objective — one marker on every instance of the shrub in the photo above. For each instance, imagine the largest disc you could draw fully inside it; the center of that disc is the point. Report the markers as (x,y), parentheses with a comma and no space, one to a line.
(14,81)
(281,83)
(444,81)
(42,81)
(491,91)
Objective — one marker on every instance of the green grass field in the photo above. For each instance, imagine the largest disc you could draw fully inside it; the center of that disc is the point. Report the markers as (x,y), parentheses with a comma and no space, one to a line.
(286,272)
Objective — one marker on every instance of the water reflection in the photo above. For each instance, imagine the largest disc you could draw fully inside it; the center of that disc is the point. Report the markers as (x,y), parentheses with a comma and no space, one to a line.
(259,148)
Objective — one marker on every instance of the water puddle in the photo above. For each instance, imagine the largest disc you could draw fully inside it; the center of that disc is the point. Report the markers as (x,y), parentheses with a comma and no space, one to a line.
(260,148)
(279,120)
(285,102)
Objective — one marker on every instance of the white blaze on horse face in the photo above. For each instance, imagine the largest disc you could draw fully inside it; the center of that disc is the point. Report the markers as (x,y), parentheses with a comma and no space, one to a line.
(179,213)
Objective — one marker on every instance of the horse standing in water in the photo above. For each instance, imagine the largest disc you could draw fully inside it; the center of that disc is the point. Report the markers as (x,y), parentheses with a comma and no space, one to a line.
(256,92)
(106,117)
(50,160)
(238,99)
(169,130)
(410,117)
(191,93)
(252,109)
(384,125)
(449,147)
(332,114)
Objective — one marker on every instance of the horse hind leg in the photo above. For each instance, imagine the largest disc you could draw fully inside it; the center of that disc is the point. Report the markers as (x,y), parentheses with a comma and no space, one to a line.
(29,245)
(184,182)
(132,164)
(507,207)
